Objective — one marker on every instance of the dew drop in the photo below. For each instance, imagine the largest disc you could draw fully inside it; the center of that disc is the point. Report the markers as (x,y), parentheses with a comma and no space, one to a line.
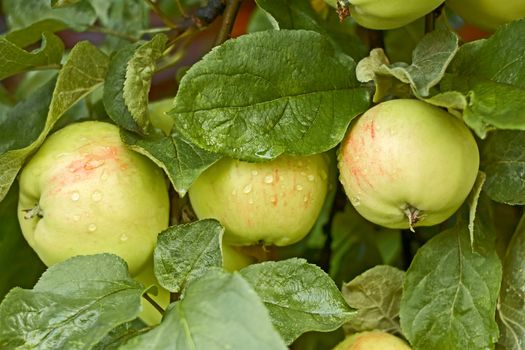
(75,196)
(268,179)
(96,196)
(299,188)
(356,201)
(311,177)
(92,227)
(255,173)
(247,189)
(250,201)
(124,237)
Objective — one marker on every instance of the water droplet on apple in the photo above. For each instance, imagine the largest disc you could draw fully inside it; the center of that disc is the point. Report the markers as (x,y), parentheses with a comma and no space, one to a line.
(247,189)
(268,179)
(92,227)
(255,173)
(356,201)
(311,177)
(75,196)
(250,201)
(299,187)
(124,237)
(96,196)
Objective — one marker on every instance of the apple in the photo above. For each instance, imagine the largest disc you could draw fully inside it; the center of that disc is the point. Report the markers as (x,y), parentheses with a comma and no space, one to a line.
(85,192)
(373,340)
(150,315)
(390,14)
(275,202)
(234,259)
(405,163)
(488,14)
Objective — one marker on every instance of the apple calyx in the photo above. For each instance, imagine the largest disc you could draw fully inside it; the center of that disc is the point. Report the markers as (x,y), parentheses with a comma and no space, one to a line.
(32,212)
(343,9)
(414,215)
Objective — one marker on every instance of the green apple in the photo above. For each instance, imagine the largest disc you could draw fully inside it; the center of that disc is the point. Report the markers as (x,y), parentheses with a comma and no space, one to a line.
(85,192)
(488,14)
(275,202)
(374,340)
(388,14)
(233,259)
(405,163)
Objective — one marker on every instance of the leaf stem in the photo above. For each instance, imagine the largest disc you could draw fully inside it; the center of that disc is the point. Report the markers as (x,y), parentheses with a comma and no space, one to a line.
(230,13)
(107,31)
(165,19)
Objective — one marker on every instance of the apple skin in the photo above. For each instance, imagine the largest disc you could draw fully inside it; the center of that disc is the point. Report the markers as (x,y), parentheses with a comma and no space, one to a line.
(149,314)
(388,14)
(233,259)
(275,202)
(373,340)
(488,14)
(95,195)
(407,157)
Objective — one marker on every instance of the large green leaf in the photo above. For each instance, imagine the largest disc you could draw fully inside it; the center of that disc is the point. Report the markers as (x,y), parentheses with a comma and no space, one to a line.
(73,306)
(83,71)
(511,305)
(267,93)
(186,252)
(450,291)
(299,296)
(219,311)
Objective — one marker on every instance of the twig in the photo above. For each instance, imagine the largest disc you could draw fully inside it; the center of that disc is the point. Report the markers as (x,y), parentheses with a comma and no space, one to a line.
(108,31)
(165,19)
(375,39)
(230,13)
(154,303)
(430,22)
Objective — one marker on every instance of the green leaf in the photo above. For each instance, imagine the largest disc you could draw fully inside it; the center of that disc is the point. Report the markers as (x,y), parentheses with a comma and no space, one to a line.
(491,75)
(33,33)
(186,252)
(219,311)
(289,91)
(63,3)
(353,248)
(14,59)
(430,59)
(503,160)
(20,265)
(182,161)
(299,296)
(83,71)
(450,292)
(120,334)
(376,295)
(511,305)
(299,14)
(401,42)
(128,82)
(73,306)
(21,14)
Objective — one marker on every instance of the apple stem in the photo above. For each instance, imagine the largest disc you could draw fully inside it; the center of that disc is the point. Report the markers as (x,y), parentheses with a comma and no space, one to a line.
(154,303)
(413,215)
(35,211)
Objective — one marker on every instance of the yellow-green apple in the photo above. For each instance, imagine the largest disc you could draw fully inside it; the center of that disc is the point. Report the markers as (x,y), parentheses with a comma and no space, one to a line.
(373,340)
(275,202)
(488,14)
(405,163)
(388,14)
(84,192)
